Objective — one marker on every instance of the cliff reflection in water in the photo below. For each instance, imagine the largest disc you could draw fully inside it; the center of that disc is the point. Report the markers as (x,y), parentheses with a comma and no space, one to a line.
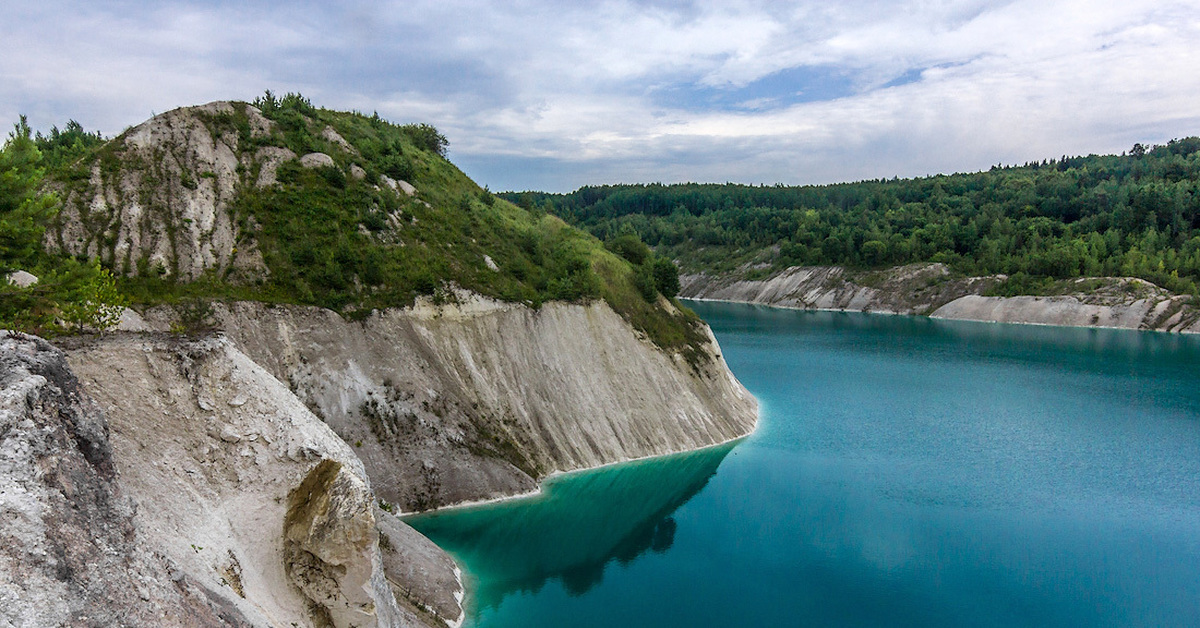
(574,528)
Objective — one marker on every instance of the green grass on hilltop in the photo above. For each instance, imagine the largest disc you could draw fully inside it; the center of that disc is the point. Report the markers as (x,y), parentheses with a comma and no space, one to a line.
(351,243)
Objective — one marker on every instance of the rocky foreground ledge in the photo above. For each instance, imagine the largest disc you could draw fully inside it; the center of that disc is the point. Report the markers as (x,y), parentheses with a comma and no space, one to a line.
(154,479)
(932,290)
(193,490)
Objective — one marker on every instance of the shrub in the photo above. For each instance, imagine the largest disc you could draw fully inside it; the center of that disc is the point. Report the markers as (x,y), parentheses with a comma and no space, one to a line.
(666,277)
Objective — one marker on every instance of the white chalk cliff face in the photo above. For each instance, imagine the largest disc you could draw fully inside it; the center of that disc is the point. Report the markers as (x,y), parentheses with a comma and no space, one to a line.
(480,399)
(241,487)
(163,206)
(930,289)
(71,550)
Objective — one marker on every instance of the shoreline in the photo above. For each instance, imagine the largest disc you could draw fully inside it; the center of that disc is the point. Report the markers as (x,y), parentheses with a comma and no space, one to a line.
(554,475)
(936,318)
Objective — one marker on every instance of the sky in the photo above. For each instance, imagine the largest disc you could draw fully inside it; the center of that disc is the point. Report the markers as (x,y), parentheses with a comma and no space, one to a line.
(541,95)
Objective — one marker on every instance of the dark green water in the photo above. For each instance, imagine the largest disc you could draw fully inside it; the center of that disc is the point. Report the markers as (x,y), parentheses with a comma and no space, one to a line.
(906,472)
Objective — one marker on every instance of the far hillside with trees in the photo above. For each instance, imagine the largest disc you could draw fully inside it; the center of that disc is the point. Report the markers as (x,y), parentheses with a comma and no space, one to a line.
(1136,214)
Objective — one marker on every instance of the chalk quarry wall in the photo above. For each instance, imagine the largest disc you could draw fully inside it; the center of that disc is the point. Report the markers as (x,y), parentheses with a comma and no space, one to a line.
(480,399)
(71,553)
(247,494)
(930,289)
(254,502)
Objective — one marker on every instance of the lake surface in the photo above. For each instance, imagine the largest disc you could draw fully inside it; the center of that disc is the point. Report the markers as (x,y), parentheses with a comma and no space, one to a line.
(905,472)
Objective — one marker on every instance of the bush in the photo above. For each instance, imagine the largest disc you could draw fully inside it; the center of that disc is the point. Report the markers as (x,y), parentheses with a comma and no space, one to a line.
(427,137)
(643,280)
(630,247)
(666,277)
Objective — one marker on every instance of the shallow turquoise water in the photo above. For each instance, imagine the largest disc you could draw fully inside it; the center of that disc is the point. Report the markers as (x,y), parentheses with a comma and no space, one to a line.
(905,472)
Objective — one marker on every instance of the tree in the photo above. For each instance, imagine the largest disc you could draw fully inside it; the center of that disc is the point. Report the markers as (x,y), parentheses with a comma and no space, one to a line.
(666,277)
(23,211)
(94,300)
(427,137)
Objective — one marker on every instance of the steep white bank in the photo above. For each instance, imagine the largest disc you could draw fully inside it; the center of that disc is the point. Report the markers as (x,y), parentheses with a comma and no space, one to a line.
(242,488)
(479,399)
(1161,314)
(930,289)
(71,553)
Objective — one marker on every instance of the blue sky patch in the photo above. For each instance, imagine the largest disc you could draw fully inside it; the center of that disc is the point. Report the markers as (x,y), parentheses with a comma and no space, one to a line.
(781,89)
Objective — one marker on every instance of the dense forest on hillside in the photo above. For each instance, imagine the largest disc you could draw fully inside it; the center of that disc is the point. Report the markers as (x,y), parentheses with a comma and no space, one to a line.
(1135,214)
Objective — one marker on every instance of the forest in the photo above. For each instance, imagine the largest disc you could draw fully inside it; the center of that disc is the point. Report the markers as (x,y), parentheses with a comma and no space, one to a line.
(1136,214)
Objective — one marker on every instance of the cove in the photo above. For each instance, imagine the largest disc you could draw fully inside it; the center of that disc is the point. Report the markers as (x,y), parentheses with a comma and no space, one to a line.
(905,472)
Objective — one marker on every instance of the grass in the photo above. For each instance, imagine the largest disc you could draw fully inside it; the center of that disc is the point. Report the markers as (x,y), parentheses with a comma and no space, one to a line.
(353,245)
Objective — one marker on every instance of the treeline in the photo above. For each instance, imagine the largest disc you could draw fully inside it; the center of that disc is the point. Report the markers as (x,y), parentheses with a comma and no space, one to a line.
(1135,214)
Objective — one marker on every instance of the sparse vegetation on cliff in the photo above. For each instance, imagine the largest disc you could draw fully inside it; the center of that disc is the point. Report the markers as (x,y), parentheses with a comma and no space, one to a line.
(287,202)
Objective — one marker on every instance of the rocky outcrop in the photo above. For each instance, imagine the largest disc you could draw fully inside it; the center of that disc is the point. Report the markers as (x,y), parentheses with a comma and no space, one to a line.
(159,201)
(424,579)
(240,486)
(479,399)
(913,289)
(931,289)
(1120,302)
(331,548)
(71,553)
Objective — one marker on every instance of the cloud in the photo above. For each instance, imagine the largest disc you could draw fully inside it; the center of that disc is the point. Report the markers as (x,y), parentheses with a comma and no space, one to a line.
(541,95)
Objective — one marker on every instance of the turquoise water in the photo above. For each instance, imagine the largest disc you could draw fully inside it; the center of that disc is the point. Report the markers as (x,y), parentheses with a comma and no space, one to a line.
(905,472)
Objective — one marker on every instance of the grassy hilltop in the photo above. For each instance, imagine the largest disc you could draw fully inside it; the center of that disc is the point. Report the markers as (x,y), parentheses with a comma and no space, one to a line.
(344,231)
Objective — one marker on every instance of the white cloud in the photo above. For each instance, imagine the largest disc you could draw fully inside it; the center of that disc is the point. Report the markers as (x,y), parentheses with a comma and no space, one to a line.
(603,90)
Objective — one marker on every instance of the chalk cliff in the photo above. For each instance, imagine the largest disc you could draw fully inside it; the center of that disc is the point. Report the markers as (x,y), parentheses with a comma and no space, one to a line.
(932,290)
(479,398)
(241,486)
(71,552)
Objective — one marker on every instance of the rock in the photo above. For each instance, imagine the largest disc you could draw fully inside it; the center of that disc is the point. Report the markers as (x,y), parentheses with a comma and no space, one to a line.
(228,435)
(196,173)
(131,321)
(336,139)
(398,186)
(491,263)
(269,159)
(22,279)
(406,187)
(317,160)
(357,172)
(214,484)
(423,578)
(331,549)
(72,552)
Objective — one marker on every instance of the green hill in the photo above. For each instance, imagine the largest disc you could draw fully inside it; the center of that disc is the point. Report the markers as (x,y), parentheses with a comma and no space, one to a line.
(287,202)
(1135,214)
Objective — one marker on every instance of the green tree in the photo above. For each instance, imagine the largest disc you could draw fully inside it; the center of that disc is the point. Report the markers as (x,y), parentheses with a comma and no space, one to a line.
(23,211)
(666,277)
(93,299)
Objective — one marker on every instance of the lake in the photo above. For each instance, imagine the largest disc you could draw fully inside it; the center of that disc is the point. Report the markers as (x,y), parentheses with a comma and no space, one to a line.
(905,472)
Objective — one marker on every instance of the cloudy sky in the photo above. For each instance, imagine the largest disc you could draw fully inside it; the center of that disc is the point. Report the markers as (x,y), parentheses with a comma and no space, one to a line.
(547,95)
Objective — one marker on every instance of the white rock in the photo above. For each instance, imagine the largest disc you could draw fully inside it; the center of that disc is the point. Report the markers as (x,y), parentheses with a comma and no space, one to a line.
(317,160)
(398,186)
(22,279)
